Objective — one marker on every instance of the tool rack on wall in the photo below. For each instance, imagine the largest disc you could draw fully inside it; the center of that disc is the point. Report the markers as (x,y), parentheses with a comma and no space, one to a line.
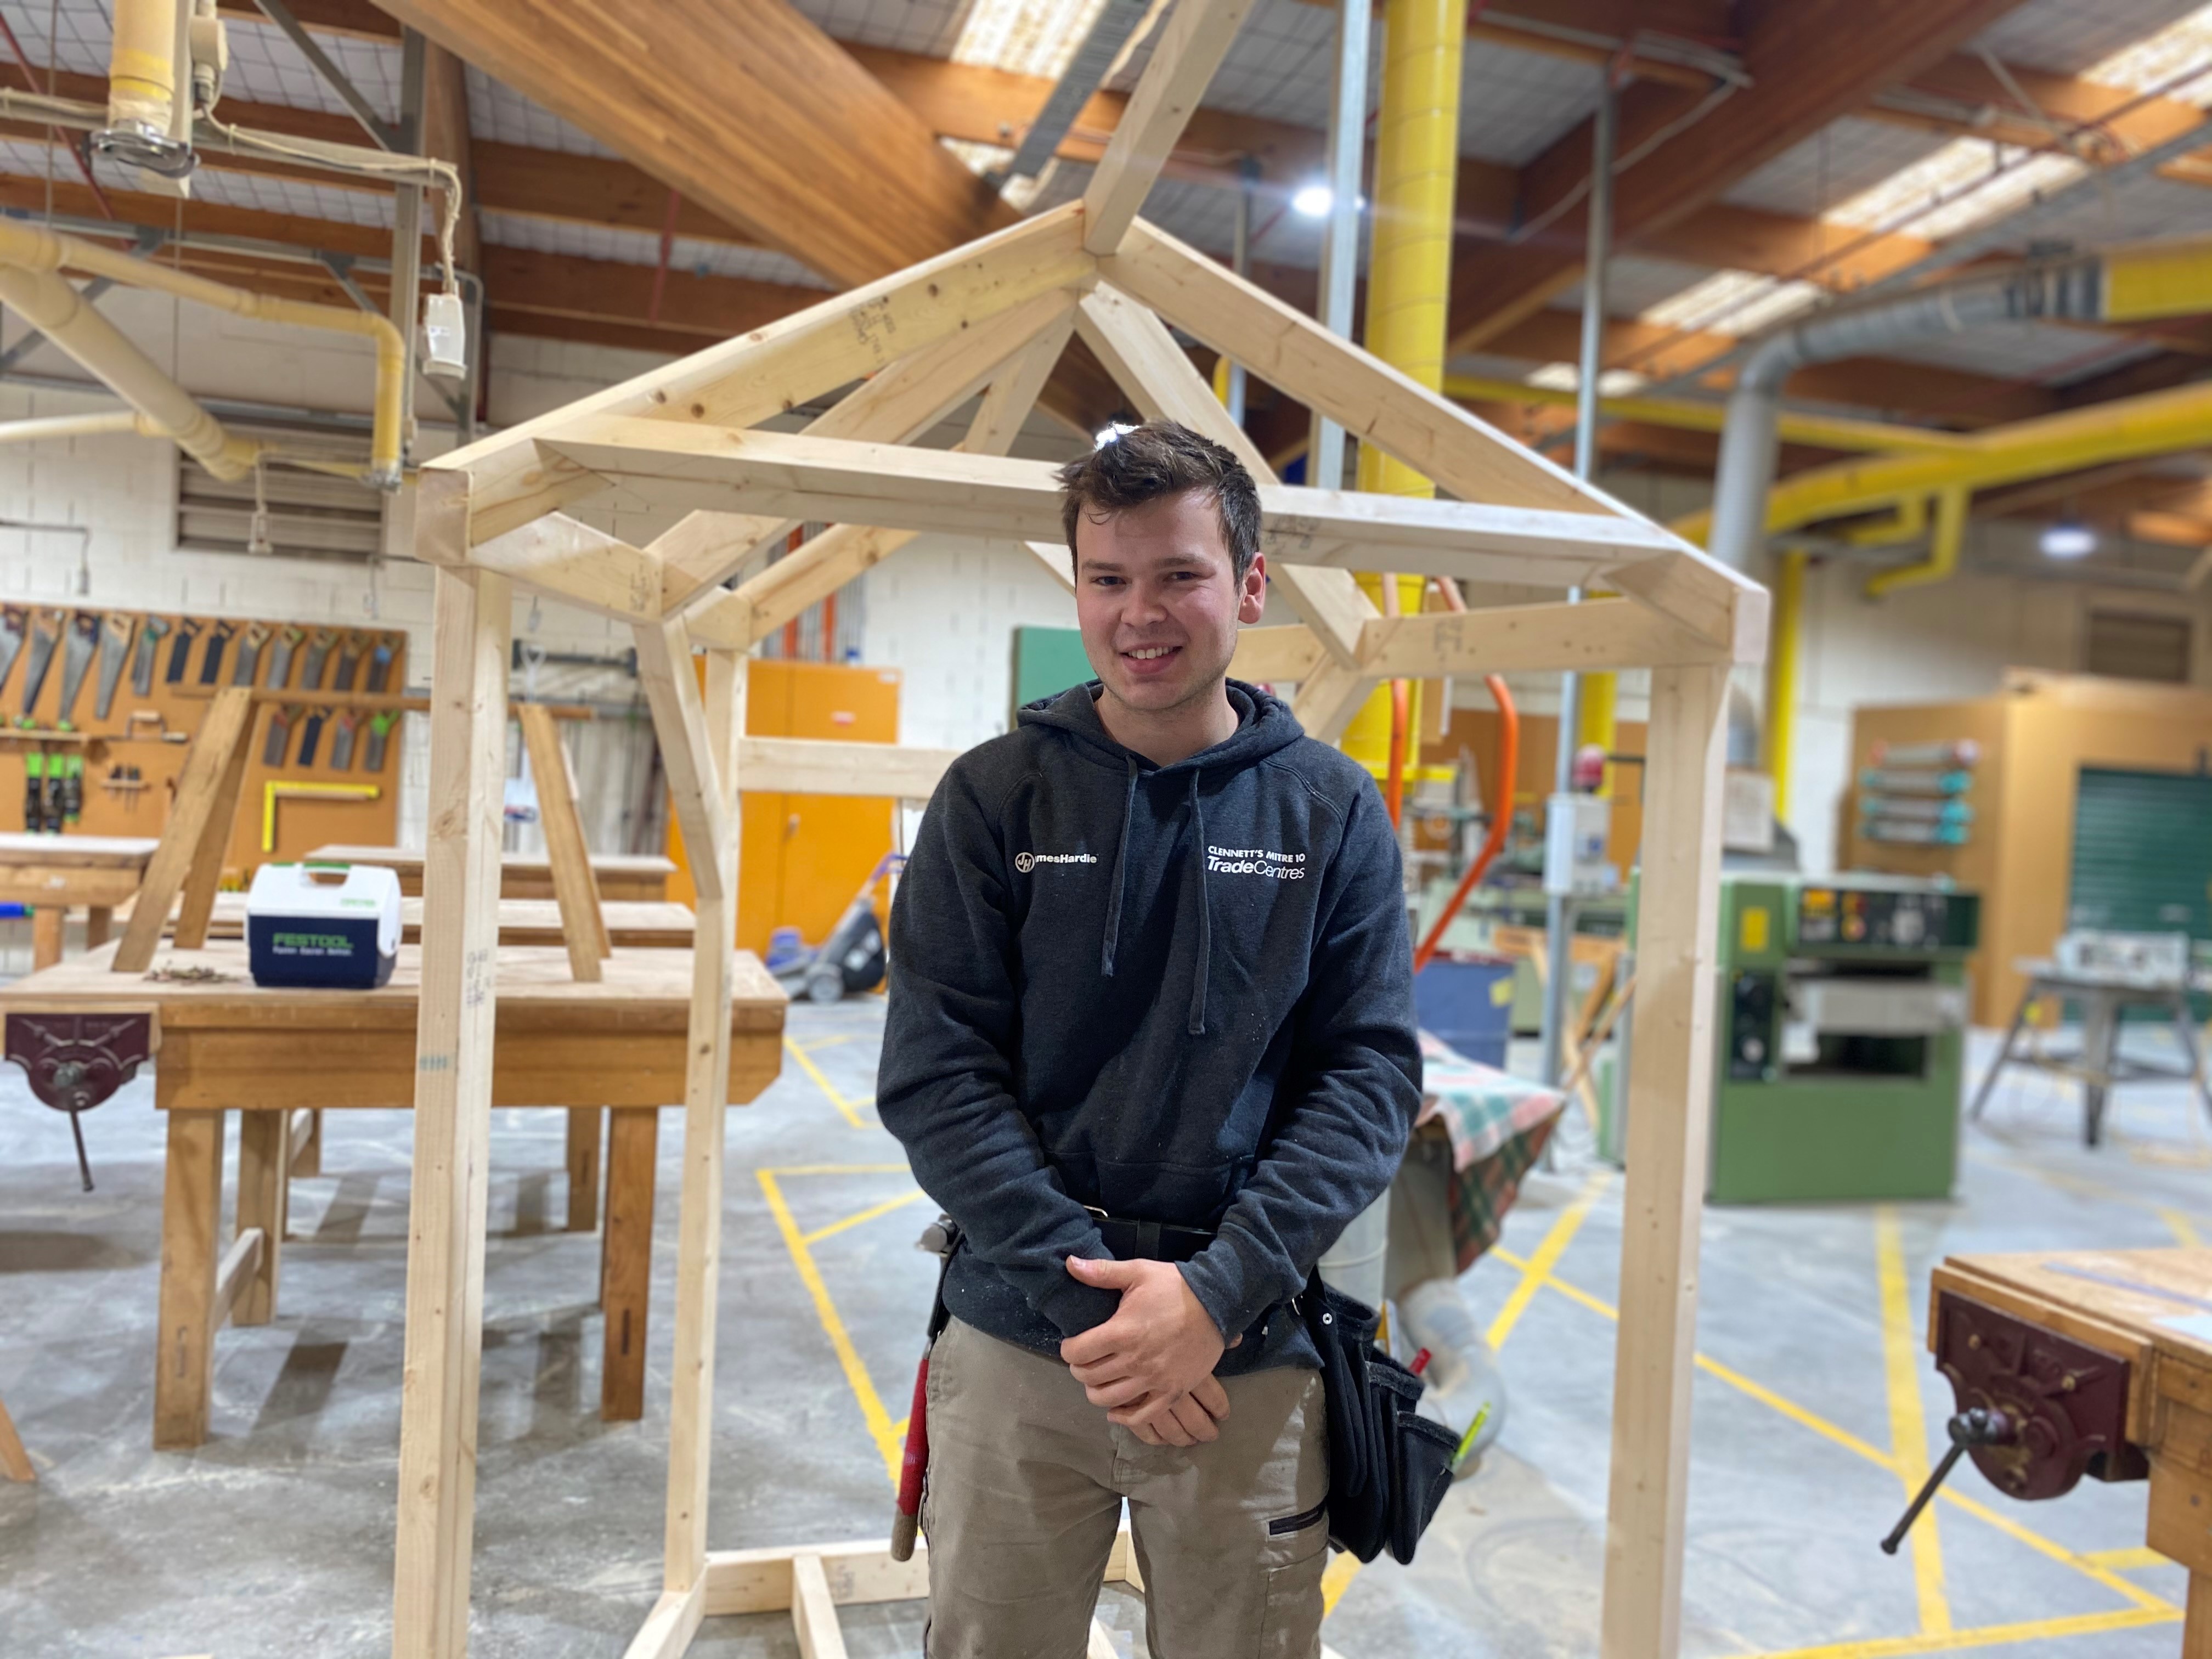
(100,706)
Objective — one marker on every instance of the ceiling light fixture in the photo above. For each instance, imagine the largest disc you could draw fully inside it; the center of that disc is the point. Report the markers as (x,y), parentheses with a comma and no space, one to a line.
(2068,538)
(1313,201)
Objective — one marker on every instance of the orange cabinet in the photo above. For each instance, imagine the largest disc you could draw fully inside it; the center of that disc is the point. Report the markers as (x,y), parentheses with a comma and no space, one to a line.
(803,857)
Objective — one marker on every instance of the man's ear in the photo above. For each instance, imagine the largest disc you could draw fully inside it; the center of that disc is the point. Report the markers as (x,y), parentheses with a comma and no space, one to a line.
(1252,596)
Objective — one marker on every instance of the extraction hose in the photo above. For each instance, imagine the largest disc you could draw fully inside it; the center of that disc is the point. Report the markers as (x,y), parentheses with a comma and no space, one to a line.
(1501,818)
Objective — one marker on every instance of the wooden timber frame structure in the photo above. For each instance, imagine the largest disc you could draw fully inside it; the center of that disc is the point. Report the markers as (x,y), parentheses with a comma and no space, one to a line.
(993,318)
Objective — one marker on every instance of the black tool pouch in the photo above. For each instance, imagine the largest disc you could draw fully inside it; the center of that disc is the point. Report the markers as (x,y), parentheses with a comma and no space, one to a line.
(1389,1467)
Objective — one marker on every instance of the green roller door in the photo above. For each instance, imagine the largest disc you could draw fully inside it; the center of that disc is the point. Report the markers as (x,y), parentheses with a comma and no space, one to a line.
(2142,853)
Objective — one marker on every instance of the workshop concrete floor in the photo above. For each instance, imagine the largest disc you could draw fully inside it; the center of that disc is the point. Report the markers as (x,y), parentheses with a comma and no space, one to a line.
(275,1538)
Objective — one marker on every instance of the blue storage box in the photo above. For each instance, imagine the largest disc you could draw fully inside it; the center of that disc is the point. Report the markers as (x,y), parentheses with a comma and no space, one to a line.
(1465,999)
(334,925)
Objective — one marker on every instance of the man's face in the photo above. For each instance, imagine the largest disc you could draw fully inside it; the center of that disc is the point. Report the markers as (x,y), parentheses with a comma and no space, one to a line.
(1157,596)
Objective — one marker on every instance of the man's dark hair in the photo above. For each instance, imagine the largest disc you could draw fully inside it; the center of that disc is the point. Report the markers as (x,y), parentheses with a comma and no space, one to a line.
(1158,459)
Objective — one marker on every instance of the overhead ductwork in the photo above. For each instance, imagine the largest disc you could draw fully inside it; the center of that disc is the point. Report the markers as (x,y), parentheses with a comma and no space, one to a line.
(31,261)
(149,125)
(2120,285)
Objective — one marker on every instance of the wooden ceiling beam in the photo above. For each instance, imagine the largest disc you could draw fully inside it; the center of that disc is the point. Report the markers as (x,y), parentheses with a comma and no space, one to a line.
(1811,61)
(986,106)
(825,165)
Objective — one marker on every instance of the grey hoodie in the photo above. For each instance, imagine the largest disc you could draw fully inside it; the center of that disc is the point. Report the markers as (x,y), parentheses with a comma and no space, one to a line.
(1177,993)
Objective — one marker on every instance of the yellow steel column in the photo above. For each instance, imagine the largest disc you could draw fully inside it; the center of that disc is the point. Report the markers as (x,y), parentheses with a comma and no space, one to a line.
(1781,671)
(1409,273)
(1599,724)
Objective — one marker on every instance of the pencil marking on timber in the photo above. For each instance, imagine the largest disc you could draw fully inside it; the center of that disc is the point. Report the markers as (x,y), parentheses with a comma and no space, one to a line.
(875,326)
(435,1063)
(477,978)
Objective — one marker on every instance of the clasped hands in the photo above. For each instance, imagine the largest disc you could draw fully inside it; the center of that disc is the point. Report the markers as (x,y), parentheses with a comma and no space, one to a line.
(1152,1364)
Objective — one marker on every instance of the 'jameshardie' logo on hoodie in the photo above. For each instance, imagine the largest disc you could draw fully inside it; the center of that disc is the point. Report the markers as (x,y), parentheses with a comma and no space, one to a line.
(1026,862)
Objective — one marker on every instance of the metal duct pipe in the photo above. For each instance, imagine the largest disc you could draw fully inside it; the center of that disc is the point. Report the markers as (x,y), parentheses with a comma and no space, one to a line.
(143,122)
(2074,289)
(30,259)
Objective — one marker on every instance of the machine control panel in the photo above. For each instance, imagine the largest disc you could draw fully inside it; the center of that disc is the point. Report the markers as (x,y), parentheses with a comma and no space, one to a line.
(1911,921)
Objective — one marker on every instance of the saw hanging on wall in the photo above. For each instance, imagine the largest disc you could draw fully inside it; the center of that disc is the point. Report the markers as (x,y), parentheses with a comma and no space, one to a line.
(141,665)
(318,651)
(114,650)
(46,634)
(76,659)
(280,659)
(180,652)
(14,620)
(249,653)
(348,663)
(211,664)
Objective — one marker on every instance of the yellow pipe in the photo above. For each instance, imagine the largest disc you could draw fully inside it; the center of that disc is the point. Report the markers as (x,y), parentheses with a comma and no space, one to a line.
(2155,423)
(1600,723)
(37,254)
(1908,524)
(1828,431)
(44,427)
(1943,548)
(1409,279)
(1783,632)
(142,67)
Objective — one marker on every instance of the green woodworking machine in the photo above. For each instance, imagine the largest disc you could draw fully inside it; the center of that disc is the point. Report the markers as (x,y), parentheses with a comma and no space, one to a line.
(1842,1013)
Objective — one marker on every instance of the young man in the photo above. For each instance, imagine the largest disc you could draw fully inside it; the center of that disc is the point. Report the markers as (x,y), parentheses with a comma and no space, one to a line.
(1150,1044)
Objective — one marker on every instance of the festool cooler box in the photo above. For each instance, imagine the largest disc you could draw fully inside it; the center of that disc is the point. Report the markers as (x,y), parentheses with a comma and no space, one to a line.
(323,924)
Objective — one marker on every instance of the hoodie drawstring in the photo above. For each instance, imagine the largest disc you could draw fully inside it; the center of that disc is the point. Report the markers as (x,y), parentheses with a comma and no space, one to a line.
(1121,875)
(1196,1024)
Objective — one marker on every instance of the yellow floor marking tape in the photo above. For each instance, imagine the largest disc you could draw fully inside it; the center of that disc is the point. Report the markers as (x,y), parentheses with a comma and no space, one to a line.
(1981,1636)
(866,1215)
(2132,1560)
(2087,1566)
(2183,1229)
(1908,1421)
(820,1043)
(1545,1257)
(841,1169)
(888,1440)
(850,1108)
(1534,1272)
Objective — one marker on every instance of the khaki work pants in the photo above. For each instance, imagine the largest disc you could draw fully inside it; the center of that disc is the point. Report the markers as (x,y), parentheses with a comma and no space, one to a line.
(1026,1480)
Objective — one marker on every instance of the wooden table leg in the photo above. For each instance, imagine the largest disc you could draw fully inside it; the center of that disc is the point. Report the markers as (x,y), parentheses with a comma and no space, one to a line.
(2197,1631)
(48,922)
(264,1186)
(583,1167)
(14,1460)
(191,1210)
(308,1142)
(626,1257)
(99,924)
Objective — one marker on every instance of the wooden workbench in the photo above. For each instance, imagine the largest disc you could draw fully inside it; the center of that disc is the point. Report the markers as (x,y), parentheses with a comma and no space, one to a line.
(635,877)
(228,1045)
(53,873)
(2149,1309)
(633,924)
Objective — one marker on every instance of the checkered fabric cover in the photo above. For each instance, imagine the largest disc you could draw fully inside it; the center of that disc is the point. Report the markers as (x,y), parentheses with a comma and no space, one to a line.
(1498,1124)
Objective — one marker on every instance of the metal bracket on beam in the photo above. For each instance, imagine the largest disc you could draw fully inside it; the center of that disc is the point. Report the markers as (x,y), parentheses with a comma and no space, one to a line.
(1085,72)
(340,265)
(385,134)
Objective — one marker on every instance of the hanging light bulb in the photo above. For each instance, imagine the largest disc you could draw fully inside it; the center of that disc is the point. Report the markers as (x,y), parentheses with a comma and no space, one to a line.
(2068,538)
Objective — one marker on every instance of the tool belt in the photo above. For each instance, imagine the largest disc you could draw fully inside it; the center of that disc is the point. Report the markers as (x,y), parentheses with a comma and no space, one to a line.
(1149,1241)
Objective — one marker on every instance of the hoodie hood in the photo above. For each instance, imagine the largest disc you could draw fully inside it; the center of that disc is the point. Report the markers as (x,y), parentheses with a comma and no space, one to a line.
(1265,725)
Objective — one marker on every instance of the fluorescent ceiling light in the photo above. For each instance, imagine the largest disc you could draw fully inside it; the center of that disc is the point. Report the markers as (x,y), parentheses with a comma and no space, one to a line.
(1026,37)
(2183,47)
(1611,382)
(1968,182)
(1732,302)
(2068,538)
(1313,201)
